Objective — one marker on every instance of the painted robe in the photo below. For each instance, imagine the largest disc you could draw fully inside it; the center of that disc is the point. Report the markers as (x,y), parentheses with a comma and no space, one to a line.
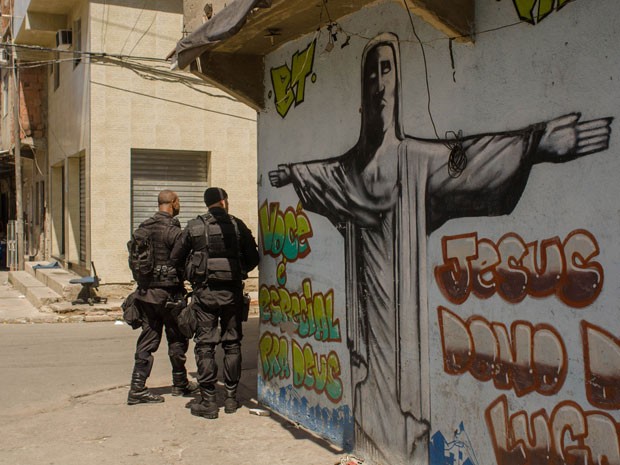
(385,260)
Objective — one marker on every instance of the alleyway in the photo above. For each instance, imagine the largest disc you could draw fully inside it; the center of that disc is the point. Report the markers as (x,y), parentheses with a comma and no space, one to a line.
(62,401)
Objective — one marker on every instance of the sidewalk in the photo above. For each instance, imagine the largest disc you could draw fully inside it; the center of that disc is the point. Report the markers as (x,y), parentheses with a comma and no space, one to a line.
(15,308)
(79,415)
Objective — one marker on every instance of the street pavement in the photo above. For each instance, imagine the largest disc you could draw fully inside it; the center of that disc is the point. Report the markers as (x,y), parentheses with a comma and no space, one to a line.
(63,390)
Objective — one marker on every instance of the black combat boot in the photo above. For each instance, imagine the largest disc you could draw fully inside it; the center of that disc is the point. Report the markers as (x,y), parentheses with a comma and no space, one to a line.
(207,407)
(138,392)
(181,386)
(230,403)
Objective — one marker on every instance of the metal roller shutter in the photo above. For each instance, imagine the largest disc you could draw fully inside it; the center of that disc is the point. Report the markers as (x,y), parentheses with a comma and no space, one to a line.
(185,173)
(83,209)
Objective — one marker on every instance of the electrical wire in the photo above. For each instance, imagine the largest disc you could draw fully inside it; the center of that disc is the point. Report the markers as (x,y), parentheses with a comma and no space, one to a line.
(457,160)
(428,87)
(134,26)
(144,33)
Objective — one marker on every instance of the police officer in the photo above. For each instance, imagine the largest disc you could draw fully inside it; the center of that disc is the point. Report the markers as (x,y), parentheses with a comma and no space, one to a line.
(154,298)
(223,251)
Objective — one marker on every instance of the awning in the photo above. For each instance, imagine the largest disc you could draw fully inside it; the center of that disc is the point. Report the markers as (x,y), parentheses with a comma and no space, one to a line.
(223,25)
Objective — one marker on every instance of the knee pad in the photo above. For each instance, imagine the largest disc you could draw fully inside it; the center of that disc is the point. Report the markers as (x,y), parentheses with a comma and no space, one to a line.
(232,348)
(206,351)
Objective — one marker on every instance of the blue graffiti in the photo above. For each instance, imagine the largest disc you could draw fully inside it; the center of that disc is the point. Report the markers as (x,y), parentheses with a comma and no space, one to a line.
(334,424)
(459,451)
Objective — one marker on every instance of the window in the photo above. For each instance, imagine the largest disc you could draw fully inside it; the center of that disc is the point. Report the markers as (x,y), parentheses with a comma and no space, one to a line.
(77,42)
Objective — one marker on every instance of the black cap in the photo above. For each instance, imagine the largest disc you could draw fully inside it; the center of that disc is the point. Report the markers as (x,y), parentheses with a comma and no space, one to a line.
(214,195)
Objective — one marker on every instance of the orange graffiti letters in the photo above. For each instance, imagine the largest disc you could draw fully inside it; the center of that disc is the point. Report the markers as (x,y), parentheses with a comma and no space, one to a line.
(601,356)
(568,436)
(530,358)
(513,269)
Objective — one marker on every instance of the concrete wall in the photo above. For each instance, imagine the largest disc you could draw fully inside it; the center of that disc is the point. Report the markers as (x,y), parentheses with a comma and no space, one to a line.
(129,111)
(431,296)
(68,137)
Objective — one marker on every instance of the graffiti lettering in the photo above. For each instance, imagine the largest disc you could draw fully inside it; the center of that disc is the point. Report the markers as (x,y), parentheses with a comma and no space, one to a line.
(525,9)
(513,269)
(530,358)
(284,233)
(274,356)
(289,84)
(602,366)
(317,372)
(569,435)
(312,314)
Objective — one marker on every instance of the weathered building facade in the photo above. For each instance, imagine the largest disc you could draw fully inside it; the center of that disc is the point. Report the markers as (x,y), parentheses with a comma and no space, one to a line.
(120,127)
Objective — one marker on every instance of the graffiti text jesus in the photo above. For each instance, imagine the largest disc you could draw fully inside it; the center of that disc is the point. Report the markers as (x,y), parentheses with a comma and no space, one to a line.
(513,268)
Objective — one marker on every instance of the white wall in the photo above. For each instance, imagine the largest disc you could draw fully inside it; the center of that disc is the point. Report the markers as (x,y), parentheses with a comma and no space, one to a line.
(512,78)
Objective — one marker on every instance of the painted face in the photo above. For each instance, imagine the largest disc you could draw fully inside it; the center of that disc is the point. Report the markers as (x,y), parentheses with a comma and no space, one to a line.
(380,86)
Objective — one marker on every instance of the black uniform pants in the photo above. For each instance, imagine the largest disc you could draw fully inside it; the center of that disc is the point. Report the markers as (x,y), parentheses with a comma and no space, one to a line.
(217,314)
(156,318)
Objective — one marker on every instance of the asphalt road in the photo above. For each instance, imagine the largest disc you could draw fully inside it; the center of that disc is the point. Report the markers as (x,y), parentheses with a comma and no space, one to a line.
(63,389)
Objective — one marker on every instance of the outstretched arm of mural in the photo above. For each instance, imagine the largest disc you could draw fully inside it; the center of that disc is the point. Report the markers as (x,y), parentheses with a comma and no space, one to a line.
(498,165)
(281,176)
(566,138)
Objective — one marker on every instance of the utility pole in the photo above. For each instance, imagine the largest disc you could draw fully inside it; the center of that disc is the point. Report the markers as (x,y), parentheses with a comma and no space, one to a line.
(19,223)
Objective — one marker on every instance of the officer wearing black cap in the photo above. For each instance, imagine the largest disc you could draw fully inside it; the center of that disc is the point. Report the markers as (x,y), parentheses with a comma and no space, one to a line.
(218,251)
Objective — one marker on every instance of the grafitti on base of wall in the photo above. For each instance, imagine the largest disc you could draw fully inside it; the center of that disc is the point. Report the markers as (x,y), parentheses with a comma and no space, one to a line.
(300,320)
(540,437)
(334,423)
(533,357)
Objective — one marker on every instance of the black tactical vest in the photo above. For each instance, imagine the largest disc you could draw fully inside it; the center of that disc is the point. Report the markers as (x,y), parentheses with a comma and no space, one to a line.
(215,244)
(164,274)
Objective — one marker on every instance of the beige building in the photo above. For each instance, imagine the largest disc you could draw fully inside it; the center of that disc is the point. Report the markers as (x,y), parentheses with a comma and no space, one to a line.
(120,126)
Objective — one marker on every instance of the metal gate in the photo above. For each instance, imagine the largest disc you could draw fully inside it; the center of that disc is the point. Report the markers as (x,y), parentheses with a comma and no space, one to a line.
(11,245)
(186,173)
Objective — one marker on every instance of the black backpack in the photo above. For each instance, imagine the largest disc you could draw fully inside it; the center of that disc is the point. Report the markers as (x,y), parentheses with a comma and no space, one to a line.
(141,255)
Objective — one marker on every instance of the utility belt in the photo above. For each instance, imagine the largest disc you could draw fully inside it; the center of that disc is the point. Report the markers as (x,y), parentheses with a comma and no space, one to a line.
(164,276)
(201,270)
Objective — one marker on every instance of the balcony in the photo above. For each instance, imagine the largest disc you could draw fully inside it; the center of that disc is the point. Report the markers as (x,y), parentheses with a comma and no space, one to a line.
(36,21)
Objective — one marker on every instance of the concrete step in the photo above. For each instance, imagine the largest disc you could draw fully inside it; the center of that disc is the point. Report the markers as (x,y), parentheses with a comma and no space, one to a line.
(40,296)
(35,291)
(57,279)
(22,280)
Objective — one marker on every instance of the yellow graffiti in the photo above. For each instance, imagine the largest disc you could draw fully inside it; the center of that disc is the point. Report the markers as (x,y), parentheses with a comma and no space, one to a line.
(316,372)
(289,84)
(274,356)
(526,8)
(312,314)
